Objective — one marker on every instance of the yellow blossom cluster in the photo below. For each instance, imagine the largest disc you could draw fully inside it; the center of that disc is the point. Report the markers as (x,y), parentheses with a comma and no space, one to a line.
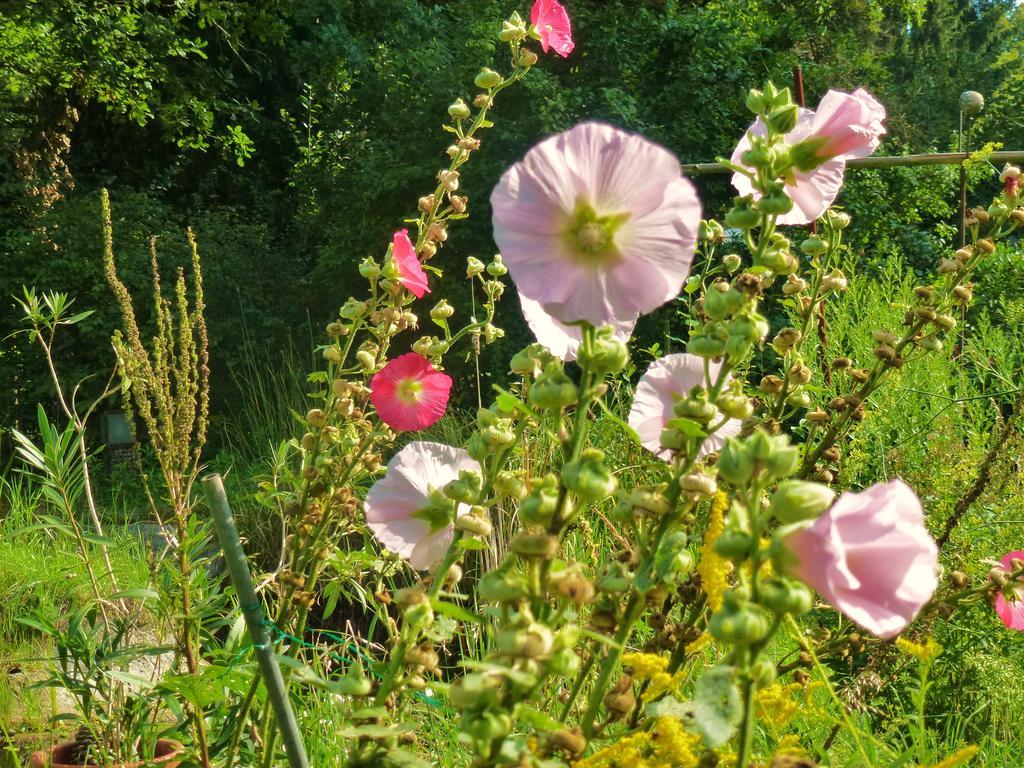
(666,745)
(958,758)
(654,669)
(925,652)
(777,705)
(713,568)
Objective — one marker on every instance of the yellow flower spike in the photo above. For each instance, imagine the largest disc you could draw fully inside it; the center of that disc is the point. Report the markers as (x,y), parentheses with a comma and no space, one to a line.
(713,568)
(703,641)
(674,747)
(626,751)
(645,665)
(957,759)
(925,652)
(776,706)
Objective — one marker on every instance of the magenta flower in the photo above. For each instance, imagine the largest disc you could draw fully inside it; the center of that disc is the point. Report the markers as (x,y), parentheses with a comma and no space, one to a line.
(596,224)
(1011,610)
(844,126)
(551,22)
(870,556)
(669,379)
(562,340)
(409,393)
(410,271)
(413,472)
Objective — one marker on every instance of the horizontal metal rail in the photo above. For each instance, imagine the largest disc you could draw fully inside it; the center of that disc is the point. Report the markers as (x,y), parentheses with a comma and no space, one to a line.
(890,161)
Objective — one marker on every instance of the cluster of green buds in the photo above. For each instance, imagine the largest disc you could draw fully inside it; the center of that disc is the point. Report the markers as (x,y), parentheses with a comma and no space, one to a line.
(732,325)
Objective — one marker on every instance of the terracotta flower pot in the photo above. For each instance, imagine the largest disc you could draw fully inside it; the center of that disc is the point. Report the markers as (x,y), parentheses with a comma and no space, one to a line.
(168,755)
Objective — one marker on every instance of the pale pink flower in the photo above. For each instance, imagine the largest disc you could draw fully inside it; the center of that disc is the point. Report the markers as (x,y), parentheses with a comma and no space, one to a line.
(596,224)
(410,271)
(669,379)
(562,340)
(1012,611)
(844,126)
(870,556)
(409,393)
(551,21)
(413,472)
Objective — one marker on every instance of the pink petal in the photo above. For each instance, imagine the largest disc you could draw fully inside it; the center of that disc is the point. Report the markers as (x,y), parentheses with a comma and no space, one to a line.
(411,475)
(562,340)
(871,557)
(668,379)
(1011,611)
(430,402)
(616,174)
(551,21)
(410,271)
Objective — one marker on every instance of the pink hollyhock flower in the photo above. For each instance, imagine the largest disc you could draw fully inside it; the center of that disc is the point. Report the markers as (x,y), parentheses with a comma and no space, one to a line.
(870,556)
(669,379)
(562,340)
(551,21)
(412,474)
(409,393)
(844,126)
(596,224)
(1012,611)
(410,271)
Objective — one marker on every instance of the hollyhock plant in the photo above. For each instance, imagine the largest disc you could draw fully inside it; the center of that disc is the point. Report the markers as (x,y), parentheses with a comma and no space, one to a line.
(843,127)
(391,504)
(409,393)
(870,556)
(596,224)
(562,340)
(665,382)
(551,23)
(1011,610)
(410,272)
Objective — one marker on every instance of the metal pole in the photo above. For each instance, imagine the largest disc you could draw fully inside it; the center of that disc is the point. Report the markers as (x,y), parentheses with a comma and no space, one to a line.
(252,609)
(889,161)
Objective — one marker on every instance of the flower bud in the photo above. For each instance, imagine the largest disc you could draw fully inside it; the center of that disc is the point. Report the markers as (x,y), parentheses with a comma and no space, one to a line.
(986,246)
(742,215)
(722,301)
(783,119)
(734,544)
(786,339)
(459,109)
(353,309)
(442,310)
(474,525)
(814,246)
(527,58)
(367,362)
(771,384)
(797,500)
(781,596)
(449,179)
(486,726)
(497,267)
(503,586)
(793,285)
(800,374)
(553,389)
(834,281)
(474,266)
(534,546)
(734,462)
(775,201)
(745,625)
(698,483)
(732,262)
(487,79)
(589,477)
(755,101)
(604,354)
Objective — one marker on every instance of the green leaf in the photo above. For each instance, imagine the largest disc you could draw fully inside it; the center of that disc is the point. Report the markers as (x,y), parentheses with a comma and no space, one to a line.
(717,706)
(454,611)
(142,593)
(539,720)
